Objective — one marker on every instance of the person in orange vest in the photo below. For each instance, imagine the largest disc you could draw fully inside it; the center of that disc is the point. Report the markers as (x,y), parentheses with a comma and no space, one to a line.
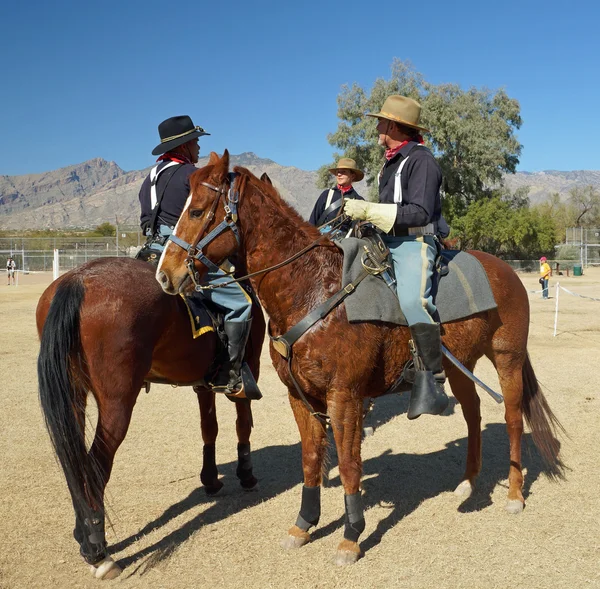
(545,272)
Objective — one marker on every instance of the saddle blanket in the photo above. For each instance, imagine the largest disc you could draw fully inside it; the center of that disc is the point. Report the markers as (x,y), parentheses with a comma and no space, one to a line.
(464,291)
(200,320)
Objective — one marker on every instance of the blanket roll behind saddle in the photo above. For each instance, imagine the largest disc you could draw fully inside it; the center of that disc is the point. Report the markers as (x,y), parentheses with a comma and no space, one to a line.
(464,291)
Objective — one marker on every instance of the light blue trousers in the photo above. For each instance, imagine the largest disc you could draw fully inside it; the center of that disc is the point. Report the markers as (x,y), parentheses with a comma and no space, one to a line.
(232,300)
(414,260)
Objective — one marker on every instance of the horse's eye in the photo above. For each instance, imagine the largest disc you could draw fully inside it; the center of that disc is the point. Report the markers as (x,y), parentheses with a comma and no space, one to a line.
(196,213)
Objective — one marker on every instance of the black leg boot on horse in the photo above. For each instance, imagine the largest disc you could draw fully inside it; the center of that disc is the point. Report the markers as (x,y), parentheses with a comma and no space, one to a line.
(427,395)
(233,377)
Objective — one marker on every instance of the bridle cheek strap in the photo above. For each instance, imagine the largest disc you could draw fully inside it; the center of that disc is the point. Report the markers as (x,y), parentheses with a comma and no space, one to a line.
(194,250)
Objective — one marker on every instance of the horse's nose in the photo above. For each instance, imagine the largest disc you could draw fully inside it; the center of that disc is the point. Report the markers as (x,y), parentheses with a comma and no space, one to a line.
(164,281)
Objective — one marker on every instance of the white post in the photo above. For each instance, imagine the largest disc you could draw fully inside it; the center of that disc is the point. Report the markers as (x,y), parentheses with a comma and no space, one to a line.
(55,265)
(556,307)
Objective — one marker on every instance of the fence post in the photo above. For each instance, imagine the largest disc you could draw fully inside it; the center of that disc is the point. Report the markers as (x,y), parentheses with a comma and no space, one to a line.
(556,308)
(55,265)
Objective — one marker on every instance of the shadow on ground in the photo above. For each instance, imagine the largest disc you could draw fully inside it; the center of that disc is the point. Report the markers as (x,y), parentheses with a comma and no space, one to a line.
(398,481)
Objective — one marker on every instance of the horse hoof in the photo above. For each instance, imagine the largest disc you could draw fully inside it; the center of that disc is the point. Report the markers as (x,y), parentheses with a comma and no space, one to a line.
(368,432)
(464,490)
(250,484)
(253,489)
(514,506)
(346,557)
(213,490)
(295,539)
(106,569)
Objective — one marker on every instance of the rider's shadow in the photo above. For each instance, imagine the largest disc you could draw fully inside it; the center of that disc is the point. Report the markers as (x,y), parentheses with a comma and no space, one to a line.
(273,482)
(403,481)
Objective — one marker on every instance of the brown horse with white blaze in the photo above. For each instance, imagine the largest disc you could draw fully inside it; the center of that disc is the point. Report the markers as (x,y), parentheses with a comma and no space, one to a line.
(108,329)
(337,363)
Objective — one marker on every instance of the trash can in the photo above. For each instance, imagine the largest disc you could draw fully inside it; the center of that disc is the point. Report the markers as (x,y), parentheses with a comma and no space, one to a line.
(577,271)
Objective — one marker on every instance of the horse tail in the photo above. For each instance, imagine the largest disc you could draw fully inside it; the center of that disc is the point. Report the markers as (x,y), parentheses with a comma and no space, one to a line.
(542,422)
(63,391)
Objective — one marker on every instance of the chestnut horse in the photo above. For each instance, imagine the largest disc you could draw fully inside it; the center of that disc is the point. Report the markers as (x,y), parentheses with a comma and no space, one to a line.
(336,363)
(107,328)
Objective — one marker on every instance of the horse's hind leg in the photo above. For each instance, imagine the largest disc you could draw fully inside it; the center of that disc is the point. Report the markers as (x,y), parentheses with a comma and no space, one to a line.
(209,475)
(463,388)
(509,366)
(114,416)
(314,444)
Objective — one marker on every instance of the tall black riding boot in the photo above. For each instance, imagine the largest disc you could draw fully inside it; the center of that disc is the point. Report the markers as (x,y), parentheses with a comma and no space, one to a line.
(228,376)
(427,395)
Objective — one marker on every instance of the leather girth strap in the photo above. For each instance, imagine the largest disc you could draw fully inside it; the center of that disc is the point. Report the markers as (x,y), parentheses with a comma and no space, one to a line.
(283,343)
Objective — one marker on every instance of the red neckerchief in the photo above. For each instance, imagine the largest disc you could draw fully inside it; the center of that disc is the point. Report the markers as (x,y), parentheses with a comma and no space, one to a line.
(174,157)
(390,153)
(344,189)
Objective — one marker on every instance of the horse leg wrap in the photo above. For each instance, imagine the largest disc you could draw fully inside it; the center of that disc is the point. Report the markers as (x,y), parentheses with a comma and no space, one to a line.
(209,472)
(91,538)
(355,517)
(244,466)
(310,508)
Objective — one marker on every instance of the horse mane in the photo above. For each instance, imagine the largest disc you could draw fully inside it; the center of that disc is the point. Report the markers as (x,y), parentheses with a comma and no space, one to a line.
(285,208)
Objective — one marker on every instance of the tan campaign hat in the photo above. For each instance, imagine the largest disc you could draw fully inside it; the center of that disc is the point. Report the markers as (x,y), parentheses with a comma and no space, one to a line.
(401,109)
(346,163)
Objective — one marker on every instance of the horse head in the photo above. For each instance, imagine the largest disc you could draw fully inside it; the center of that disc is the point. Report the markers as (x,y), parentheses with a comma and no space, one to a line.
(206,233)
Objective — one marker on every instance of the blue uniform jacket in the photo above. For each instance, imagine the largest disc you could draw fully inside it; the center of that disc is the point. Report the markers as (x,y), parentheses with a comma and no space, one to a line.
(421,179)
(176,186)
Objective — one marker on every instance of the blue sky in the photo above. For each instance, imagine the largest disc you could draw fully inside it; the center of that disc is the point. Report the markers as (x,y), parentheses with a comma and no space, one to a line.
(94,79)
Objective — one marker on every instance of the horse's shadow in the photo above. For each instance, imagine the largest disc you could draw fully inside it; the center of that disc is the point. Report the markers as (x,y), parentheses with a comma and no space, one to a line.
(273,482)
(424,476)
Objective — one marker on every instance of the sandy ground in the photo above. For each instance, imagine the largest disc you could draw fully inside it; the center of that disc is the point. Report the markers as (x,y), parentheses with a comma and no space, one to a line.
(167,533)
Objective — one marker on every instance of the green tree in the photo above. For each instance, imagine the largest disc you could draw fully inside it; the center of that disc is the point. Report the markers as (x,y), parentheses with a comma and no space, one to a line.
(472,133)
(106,229)
(585,201)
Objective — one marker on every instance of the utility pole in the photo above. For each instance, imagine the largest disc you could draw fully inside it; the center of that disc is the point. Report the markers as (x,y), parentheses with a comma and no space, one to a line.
(117,233)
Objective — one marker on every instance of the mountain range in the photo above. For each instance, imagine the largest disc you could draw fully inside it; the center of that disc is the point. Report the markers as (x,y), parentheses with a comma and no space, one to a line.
(87,194)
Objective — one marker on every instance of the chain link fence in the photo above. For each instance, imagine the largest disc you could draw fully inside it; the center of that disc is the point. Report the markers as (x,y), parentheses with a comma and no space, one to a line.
(35,254)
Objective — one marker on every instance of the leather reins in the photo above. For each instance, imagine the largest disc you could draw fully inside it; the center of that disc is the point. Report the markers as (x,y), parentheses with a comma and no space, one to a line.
(195,252)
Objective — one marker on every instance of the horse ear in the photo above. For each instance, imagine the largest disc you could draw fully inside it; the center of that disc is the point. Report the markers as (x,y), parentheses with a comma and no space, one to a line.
(225,160)
(213,159)
(265,178)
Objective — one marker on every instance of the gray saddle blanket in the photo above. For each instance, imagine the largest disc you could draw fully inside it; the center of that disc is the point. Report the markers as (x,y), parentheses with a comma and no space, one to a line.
(464,291)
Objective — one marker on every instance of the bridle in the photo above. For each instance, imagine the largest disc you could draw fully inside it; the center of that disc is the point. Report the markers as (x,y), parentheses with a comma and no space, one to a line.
(230,205)
(194,250)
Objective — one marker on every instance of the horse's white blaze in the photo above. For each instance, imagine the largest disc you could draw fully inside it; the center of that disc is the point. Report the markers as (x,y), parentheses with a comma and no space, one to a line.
(162,256)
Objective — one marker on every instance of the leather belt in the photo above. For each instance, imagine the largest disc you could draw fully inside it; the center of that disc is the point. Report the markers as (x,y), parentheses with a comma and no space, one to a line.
(406,231)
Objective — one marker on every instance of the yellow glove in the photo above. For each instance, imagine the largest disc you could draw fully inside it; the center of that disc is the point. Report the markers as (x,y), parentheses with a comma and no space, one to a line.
(382,215)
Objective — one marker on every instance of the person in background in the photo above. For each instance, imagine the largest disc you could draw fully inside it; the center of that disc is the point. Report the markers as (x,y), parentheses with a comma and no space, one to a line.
(545,272)
(11,269)
(329,204)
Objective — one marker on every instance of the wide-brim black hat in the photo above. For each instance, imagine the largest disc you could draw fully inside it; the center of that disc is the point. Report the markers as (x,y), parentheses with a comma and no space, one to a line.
(176,131)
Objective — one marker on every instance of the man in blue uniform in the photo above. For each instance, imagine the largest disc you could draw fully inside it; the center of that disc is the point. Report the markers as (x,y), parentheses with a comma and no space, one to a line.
(409,213)
(329,205)
(162,198)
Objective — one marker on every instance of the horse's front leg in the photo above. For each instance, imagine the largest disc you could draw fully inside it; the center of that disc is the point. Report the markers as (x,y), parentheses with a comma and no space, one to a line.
(209,475)
(345,410)
(243,426)
(314,445)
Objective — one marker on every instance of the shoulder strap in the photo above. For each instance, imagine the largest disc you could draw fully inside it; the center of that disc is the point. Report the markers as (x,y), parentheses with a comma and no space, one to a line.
(398,176)
(155,199)
(329,207)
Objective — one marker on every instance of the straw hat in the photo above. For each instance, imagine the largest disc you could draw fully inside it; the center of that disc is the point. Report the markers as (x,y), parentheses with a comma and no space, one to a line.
(346,163)
(401,109)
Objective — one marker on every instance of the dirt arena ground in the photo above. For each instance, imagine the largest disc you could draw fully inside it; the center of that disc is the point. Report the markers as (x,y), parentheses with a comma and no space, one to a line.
(168,534)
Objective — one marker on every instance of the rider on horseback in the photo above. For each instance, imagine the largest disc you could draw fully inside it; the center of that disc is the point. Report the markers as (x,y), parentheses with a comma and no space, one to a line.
(163,197)
(409,213)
